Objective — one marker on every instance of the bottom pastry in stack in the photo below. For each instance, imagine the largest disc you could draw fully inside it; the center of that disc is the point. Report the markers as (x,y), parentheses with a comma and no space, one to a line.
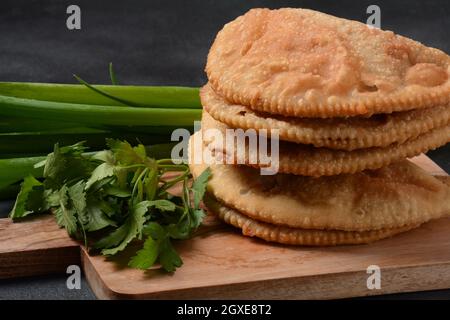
(330,210)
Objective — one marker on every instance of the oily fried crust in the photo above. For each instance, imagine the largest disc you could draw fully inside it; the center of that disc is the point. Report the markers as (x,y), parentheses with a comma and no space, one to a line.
(335,133)
(306,160)
(295,236)
(392,197)
(303,63)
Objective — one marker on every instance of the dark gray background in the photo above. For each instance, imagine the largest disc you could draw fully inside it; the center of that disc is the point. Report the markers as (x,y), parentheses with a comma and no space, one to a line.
(160,43)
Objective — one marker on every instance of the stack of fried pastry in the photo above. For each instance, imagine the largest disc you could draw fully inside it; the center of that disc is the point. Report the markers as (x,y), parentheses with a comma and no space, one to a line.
(349,103)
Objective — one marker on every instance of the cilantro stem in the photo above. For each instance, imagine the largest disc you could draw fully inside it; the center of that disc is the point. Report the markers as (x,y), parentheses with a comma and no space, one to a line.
(139,178)
(172,167)
(88,192)
(186,200)
(168,184)
(162,161)
(133,166)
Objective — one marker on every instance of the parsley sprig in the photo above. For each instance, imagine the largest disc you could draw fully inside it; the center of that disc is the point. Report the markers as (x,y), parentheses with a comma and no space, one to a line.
(120,192)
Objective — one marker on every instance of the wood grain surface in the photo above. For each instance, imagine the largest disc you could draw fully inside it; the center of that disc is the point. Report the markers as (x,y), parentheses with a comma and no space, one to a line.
(222,264)
(219,263)
(34,247)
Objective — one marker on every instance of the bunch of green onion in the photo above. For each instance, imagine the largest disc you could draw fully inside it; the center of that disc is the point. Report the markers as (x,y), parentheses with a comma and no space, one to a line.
(35,116)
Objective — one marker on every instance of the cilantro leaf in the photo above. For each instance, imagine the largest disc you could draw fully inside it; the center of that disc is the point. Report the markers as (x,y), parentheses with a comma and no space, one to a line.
(66,164)
(102,171)
(197,216)
(178,231)
(157,247)
(65,216)
(103,183)
(78,198)
(199,187)
(51,198)
(151,184)
(147,256)
(163,205)
(104,156)
(122,189)
(97,219)
(114,238)
(168,257)
(154,230)
(125,154)
(121,237)
(23,205)
(116,191)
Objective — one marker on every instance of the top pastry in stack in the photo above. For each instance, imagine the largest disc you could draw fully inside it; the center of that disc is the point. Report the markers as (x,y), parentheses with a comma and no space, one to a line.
(349,103)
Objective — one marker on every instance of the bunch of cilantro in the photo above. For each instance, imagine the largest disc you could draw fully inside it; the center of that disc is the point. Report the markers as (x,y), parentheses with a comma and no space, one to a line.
(121,193)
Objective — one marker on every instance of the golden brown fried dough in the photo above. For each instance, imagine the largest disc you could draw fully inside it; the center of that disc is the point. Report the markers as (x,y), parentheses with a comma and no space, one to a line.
(395,196)
(335,133)
(295,236)
(298,62)
(307,160)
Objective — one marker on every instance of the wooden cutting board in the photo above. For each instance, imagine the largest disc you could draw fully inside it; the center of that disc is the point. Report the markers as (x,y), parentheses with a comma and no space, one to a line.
(35,247)
(219,263)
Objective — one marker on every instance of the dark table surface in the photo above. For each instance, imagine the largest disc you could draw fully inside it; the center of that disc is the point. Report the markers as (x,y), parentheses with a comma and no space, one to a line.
(161,43)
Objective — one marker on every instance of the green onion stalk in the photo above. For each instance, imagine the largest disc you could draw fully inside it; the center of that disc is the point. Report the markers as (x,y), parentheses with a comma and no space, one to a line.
(143,96)
(36,116)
